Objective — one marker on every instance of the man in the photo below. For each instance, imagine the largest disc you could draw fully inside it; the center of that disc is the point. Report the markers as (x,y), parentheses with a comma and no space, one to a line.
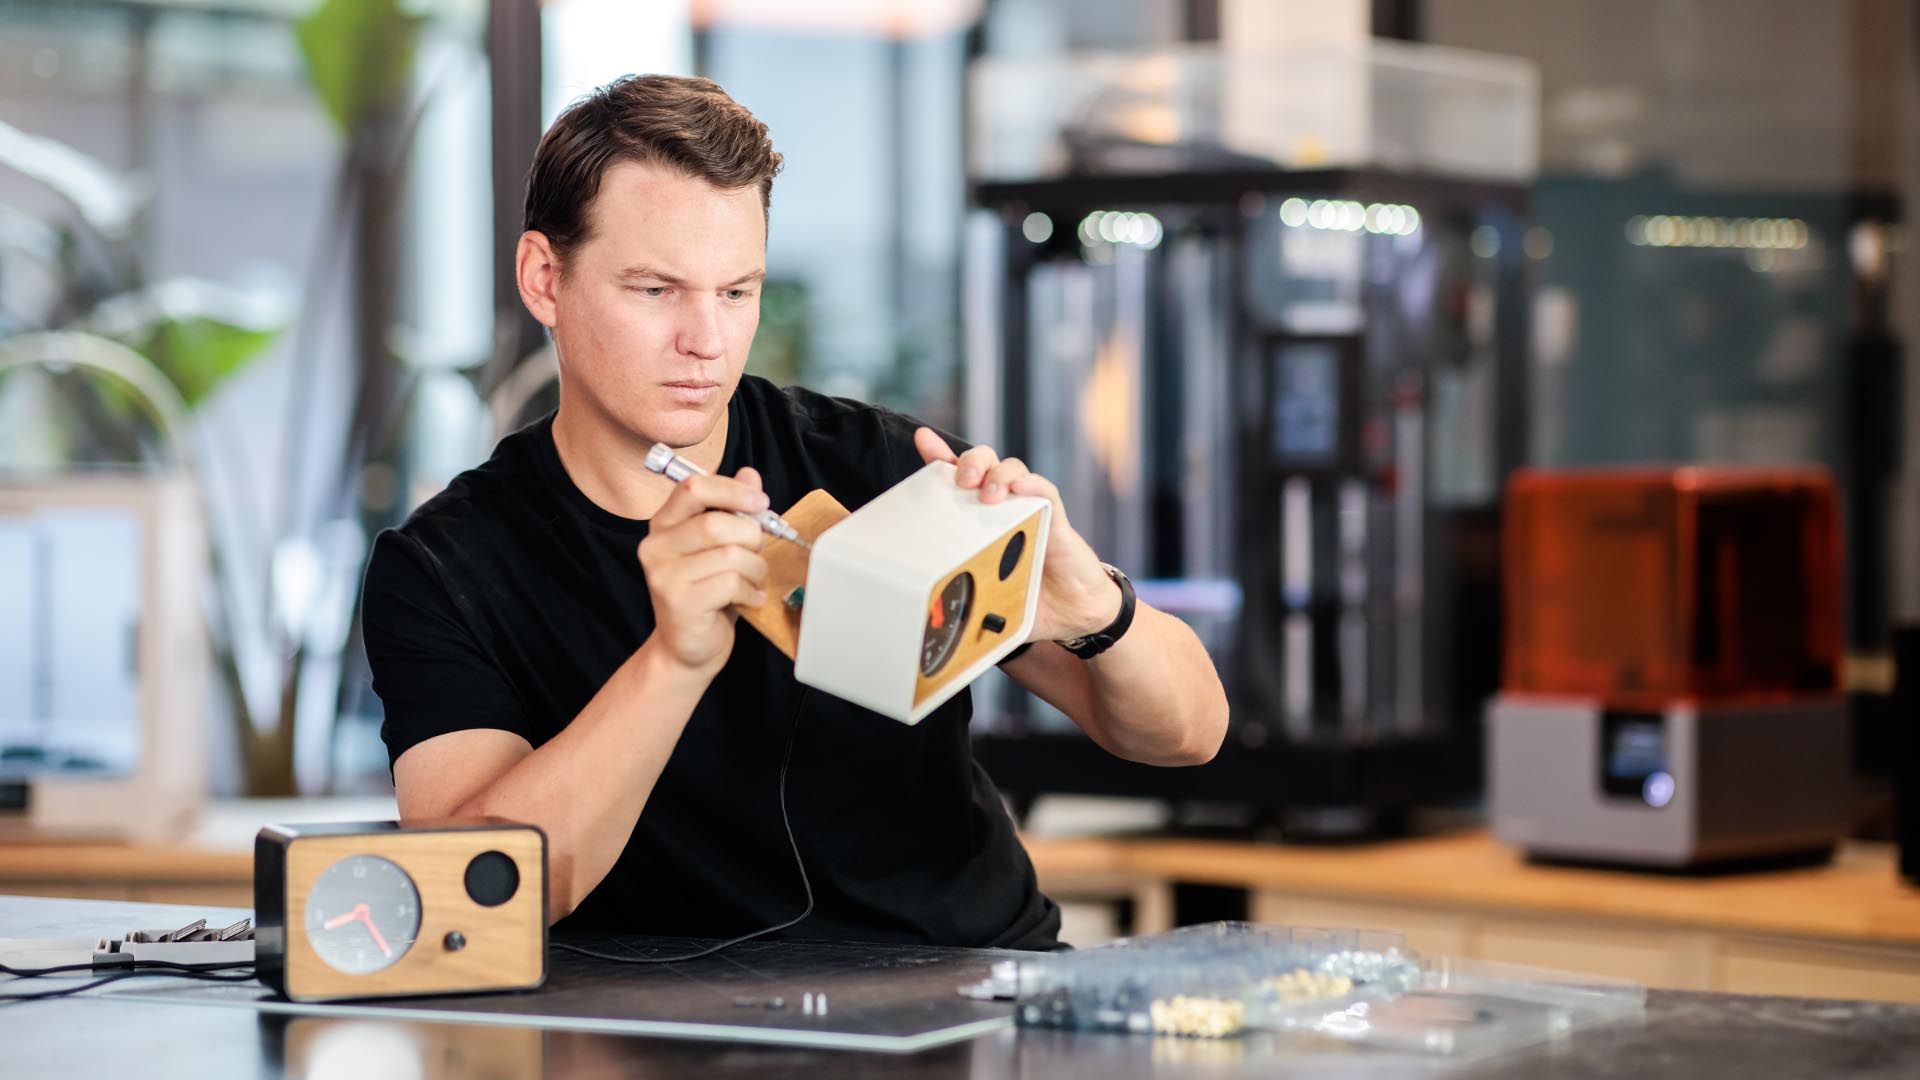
(553,635)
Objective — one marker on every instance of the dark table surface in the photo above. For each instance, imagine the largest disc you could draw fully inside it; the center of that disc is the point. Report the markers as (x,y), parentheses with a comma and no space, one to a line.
(1683,1034)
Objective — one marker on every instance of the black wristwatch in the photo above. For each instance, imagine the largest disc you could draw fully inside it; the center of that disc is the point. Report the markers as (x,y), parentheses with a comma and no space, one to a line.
(1086,648)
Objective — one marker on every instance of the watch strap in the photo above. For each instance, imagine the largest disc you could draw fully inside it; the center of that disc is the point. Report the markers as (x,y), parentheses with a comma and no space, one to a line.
(1092,645)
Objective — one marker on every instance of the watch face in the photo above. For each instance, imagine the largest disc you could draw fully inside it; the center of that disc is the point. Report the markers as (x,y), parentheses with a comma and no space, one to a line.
(946,619)
(363,914)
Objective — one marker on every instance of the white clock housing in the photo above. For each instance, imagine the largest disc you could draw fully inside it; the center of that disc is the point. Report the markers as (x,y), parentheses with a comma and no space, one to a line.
(881,591)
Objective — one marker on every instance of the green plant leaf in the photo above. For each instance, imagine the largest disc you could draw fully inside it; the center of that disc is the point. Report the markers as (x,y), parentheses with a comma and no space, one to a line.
(198,333)
(359,55)
(198,352)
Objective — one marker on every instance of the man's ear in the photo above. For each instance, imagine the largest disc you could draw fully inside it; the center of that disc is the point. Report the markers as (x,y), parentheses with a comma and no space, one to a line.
(537,271)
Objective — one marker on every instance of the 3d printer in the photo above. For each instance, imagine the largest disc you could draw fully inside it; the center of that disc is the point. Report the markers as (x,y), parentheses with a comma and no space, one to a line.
(1671,667)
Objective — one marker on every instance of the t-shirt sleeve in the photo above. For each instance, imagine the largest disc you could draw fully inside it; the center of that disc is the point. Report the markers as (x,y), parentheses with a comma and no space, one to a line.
(432,675)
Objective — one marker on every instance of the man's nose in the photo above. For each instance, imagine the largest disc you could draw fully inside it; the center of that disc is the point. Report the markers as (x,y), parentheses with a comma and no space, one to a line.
(700,330)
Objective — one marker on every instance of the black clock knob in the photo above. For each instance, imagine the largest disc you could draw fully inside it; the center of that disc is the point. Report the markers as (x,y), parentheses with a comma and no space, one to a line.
(454,941)
(492,878)
(993,624)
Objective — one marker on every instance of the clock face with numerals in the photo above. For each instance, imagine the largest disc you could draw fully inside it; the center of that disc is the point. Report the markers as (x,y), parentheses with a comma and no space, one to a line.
(363,914)
(946,623)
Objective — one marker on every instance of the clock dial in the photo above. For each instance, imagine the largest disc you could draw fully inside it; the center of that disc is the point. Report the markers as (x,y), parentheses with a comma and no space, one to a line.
(363,914)
(946,618)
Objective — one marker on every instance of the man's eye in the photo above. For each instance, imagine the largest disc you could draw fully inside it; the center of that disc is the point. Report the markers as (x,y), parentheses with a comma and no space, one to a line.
(738,294)
(652,291)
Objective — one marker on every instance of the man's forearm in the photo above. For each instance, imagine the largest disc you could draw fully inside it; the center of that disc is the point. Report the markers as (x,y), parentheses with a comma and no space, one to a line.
(587,785)
(1153,697)
(1157,691)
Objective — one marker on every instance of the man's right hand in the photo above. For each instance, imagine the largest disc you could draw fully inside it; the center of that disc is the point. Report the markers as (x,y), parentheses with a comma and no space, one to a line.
(700,559)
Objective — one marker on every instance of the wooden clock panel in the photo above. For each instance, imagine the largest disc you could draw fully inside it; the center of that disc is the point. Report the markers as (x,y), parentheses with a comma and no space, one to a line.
(992,595)
(505,945)
(787,570)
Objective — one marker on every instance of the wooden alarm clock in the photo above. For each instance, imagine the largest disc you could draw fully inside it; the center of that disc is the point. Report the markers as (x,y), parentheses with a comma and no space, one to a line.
(908,599)
(374,909)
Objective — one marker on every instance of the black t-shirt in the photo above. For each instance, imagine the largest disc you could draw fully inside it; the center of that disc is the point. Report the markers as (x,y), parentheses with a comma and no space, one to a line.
(510,598)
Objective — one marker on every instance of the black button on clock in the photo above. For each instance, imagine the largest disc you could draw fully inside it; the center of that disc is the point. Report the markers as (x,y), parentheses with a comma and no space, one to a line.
(492,878)
(454,941)
(993,624)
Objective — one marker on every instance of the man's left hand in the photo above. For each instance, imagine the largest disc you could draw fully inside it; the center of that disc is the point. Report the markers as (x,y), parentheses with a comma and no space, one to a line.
(1077,597)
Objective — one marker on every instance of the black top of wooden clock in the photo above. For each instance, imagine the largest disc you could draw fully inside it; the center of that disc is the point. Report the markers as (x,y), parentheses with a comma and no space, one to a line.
(298,830)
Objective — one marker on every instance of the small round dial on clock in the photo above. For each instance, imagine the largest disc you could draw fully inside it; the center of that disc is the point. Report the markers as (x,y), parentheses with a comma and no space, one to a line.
(363,914)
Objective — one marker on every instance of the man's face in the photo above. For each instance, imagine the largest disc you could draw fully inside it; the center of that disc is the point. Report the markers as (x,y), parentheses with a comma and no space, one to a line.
(654,313)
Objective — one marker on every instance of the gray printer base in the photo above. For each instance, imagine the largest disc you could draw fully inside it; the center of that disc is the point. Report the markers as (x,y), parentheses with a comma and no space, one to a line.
(1691,786)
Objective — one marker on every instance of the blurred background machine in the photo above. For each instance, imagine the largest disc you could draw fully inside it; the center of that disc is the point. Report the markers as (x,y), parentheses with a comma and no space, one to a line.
(1671,690)
(1279,374)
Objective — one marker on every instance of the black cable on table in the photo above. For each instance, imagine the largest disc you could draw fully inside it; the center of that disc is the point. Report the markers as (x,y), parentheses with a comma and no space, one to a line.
(202,972)
(798,862)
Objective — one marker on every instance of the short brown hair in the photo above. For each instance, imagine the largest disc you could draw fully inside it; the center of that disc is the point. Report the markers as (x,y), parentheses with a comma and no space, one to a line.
(686,123)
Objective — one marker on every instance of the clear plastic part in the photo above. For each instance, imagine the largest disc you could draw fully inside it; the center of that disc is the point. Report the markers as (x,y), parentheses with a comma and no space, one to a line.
(1473,1008)
(1212,981)
(1309,989)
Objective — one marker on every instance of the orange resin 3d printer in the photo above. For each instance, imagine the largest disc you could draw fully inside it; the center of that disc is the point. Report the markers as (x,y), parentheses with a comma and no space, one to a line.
(1670,685)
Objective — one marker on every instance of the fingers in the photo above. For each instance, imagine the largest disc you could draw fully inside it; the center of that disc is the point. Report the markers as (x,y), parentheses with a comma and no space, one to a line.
(707,582)
(699,494)
(723,590)
(1037,485)
(700,559)
(972,466)
(710,529)
(999,478)
(931,446)
(730,559)
(707,597)
(1034,484)
(980,468)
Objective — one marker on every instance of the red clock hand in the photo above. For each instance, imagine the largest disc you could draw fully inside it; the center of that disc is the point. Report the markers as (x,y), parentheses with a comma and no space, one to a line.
(378,939)
(359,912)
